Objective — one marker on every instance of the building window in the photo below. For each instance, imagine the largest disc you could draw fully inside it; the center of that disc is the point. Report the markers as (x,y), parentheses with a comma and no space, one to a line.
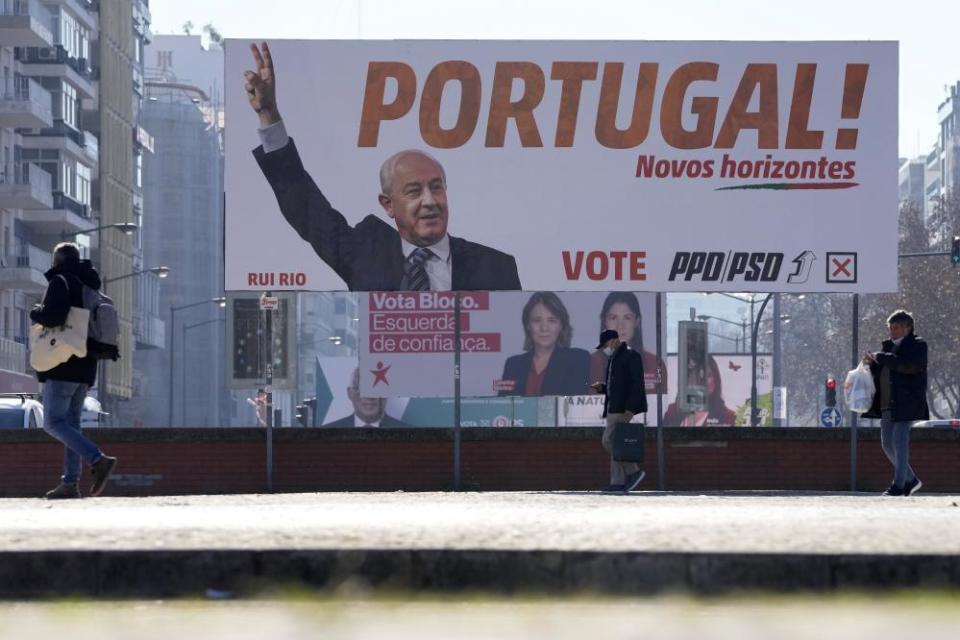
(68,104)
(83,184)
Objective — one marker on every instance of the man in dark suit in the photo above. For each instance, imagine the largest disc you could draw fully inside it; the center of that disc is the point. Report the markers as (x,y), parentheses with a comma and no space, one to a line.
(367,412)
(417,255)
(625,396)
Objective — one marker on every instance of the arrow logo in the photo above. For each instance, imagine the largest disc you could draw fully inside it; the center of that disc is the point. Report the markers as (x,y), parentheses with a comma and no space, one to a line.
(804,263)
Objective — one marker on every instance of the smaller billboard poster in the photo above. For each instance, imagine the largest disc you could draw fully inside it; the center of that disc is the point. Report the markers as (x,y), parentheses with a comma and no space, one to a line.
(340,403)
(524,344)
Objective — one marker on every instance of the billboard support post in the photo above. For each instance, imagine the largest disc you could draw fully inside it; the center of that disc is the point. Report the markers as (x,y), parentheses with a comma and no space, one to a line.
(456,390)
(754,413)
(661,481)
(854,359)
(268,368)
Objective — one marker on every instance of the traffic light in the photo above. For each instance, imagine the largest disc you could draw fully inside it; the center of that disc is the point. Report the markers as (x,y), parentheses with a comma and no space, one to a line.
(830,390)
(302,414)
(311,404)
(955,252)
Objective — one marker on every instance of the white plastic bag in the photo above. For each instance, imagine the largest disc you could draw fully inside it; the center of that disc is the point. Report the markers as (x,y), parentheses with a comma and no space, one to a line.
(858,389)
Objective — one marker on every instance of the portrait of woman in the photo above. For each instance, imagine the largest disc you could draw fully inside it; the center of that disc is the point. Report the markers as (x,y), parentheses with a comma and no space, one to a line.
(621,312)
(717,412)
(548,366)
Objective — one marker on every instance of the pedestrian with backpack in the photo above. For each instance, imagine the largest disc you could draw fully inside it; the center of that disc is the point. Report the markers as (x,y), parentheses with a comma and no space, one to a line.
(70,281)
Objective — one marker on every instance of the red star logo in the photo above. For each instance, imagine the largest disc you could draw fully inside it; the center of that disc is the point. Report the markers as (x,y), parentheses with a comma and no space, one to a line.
(380,374)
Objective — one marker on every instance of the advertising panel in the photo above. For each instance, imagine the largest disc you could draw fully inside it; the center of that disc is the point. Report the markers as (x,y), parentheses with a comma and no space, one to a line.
(561,166)
(512,343)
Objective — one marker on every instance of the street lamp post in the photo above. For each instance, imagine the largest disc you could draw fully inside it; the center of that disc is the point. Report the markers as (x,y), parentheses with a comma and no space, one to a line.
(126,227)
(754,418)
(161,272)
(173,309)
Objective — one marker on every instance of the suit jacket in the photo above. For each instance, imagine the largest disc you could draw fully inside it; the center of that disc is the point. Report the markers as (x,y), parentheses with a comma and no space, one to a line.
(908,380)
(369,256)
(386,421)
(627,389)
(566,373)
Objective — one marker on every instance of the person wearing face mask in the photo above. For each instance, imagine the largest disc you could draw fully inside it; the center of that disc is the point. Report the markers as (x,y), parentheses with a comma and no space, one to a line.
(621,312)
(900,376)
(624,396)
(417,255)
(549,366)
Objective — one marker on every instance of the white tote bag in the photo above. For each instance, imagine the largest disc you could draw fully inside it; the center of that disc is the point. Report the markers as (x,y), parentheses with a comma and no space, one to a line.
(51,346)
(858,389)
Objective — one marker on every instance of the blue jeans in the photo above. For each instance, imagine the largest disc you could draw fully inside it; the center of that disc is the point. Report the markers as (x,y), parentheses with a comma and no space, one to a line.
(62,407)
(895,440)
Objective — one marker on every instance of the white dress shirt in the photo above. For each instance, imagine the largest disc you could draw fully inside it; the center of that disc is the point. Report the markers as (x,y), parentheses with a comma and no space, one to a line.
(438,266)
(273,137)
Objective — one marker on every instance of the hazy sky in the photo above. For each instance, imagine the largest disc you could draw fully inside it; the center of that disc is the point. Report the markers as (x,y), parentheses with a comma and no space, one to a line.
(928,30)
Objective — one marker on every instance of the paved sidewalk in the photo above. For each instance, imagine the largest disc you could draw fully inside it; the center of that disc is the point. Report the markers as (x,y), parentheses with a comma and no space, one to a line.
(747,522)
(643,542)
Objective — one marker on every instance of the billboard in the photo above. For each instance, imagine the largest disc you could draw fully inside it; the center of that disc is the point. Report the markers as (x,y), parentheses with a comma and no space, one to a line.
(561,166)
(512,343)
(340,403)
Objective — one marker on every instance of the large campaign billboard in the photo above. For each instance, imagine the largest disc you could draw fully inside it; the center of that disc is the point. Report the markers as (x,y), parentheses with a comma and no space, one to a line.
(512,343)
(561,166)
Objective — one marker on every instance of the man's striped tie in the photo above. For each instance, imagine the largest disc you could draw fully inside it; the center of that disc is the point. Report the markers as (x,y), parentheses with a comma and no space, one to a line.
(415,273)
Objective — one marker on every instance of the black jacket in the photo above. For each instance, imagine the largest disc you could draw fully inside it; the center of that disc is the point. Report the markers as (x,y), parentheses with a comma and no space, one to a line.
(627,389)
(53,310)
(369,256)
(908,380)
(567,373)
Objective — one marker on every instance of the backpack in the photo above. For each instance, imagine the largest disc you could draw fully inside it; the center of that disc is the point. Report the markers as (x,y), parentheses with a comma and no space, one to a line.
(103,336)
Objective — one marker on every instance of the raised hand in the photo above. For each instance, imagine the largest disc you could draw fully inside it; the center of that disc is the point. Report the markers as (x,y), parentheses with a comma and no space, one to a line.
(261,85)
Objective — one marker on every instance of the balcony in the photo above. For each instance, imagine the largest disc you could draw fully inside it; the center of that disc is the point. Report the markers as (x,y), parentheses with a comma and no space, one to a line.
(83,10)
(25,23)
(24,271)
(82,146)
(13,356)
(26,106)
(24,185)
(62,219)
(56,62)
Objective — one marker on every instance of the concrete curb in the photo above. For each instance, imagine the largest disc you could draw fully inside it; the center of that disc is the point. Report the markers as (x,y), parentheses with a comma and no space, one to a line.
(147,573)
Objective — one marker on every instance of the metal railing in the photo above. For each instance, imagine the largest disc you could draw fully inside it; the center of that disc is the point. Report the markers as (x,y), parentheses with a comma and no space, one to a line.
(63,201)
(29,256)
(13,356)
(53,55)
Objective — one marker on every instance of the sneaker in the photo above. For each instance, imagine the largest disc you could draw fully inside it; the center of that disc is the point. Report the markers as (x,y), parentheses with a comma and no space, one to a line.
(912,487)
(633,480)
(63,492)
(101,470)
(612,488)
(893,490)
